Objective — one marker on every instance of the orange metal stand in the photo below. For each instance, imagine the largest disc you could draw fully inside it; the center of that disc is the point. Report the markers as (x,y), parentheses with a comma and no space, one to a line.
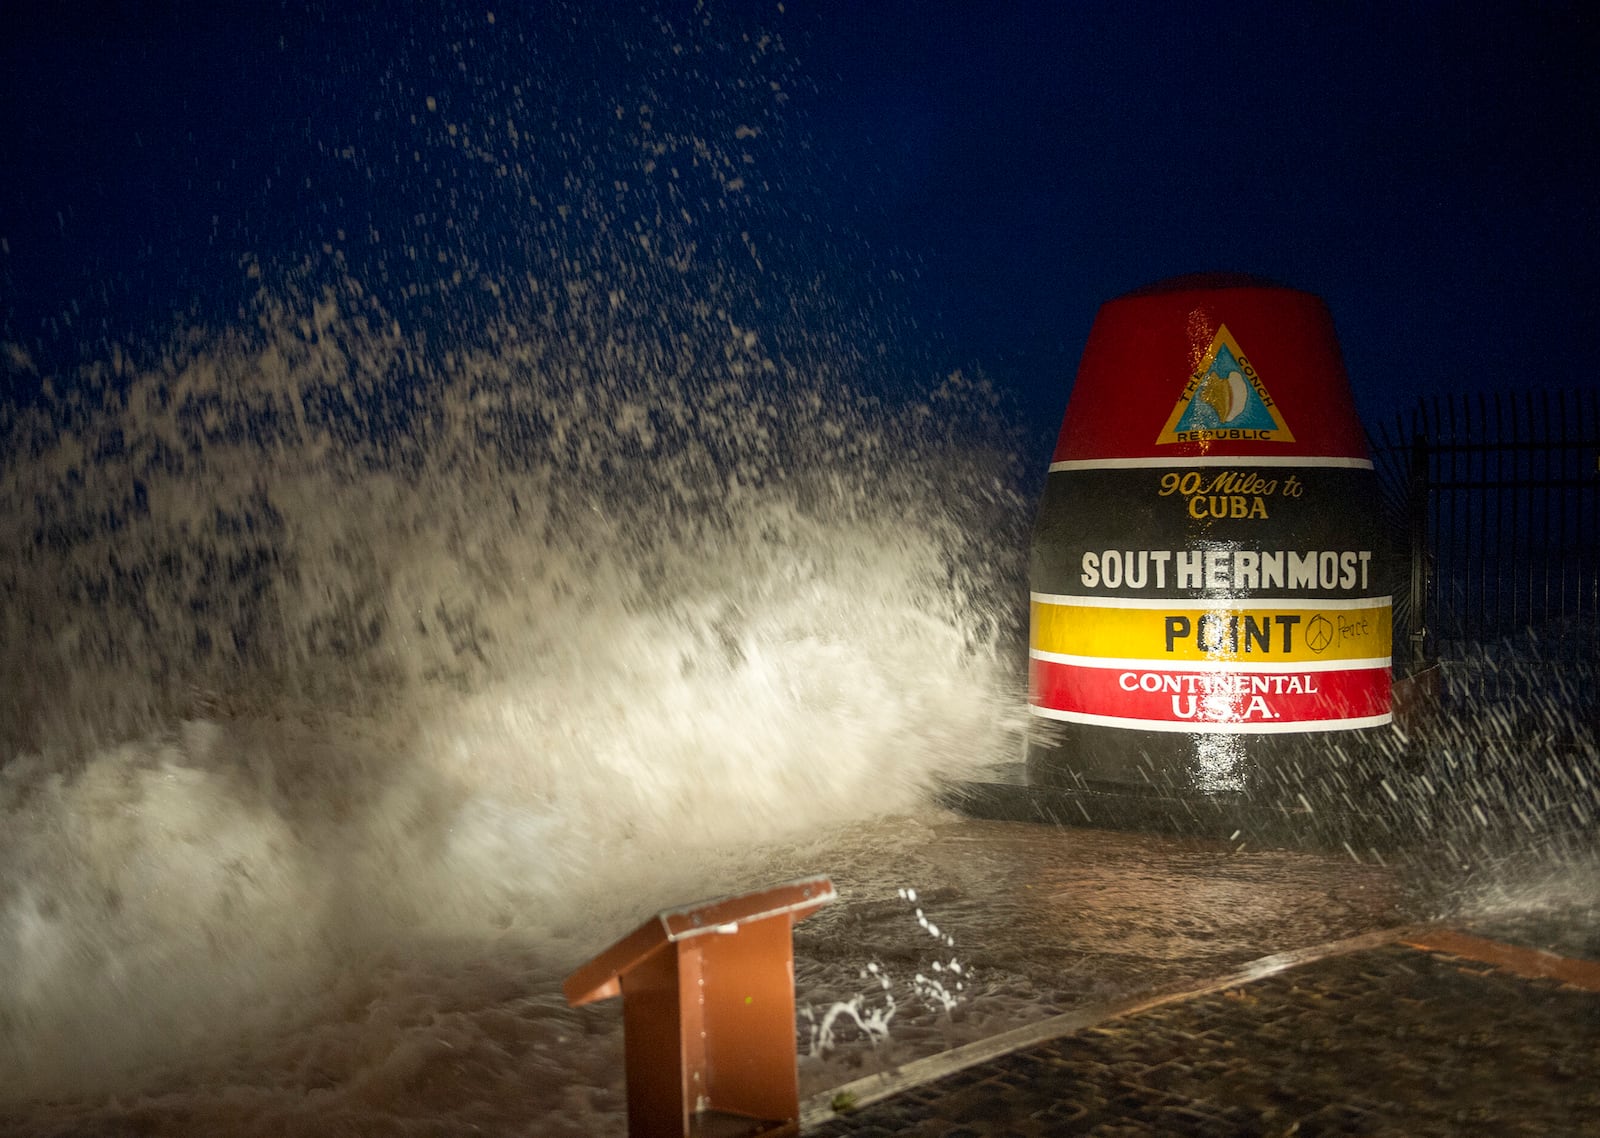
(708,1012)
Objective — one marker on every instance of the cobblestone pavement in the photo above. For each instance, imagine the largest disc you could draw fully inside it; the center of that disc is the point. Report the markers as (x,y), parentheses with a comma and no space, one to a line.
(1390,1040)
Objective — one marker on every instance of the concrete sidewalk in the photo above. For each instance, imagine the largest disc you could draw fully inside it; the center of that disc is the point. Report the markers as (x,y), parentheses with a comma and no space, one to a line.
(1416,1032)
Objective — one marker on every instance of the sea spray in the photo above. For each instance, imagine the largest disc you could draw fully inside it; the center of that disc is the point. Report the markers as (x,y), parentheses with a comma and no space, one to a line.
(868,1015)
(294,672)
(561,523)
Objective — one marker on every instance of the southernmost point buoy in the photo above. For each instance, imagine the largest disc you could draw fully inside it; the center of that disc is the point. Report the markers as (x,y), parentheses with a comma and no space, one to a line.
(1209,601)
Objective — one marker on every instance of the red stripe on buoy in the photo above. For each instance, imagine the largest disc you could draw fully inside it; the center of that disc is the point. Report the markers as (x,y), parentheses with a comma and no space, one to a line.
(1168,698)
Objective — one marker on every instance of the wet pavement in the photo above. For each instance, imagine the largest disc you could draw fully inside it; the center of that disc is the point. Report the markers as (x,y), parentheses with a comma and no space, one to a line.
(1049,920)
(1115,983)
(1405,1032)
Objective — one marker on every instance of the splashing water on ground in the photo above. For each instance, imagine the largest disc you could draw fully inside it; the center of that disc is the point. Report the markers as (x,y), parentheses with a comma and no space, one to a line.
(291,683)
(349,633)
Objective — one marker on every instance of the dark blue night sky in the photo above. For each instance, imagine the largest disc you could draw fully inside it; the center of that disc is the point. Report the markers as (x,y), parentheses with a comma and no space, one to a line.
(1428,172)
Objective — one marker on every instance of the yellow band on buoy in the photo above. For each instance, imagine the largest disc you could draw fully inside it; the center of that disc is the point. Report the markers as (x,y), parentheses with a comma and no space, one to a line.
(1261,632)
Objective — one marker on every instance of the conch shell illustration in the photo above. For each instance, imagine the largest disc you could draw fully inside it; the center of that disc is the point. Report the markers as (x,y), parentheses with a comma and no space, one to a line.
(1224,394)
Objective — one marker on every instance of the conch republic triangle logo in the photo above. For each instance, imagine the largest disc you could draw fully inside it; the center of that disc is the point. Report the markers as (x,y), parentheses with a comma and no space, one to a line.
(1225,400)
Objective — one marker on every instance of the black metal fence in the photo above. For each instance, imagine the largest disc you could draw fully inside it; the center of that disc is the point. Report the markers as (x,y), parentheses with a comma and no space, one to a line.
(1493,501)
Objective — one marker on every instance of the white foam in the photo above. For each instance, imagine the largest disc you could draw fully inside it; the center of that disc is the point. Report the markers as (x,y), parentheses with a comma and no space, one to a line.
(301,693)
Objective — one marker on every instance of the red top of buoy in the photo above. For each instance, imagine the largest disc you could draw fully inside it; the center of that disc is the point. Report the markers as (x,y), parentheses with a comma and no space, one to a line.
(1211,365)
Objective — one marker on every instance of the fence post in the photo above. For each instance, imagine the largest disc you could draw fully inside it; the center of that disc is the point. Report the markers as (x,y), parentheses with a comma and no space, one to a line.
(1420,557)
